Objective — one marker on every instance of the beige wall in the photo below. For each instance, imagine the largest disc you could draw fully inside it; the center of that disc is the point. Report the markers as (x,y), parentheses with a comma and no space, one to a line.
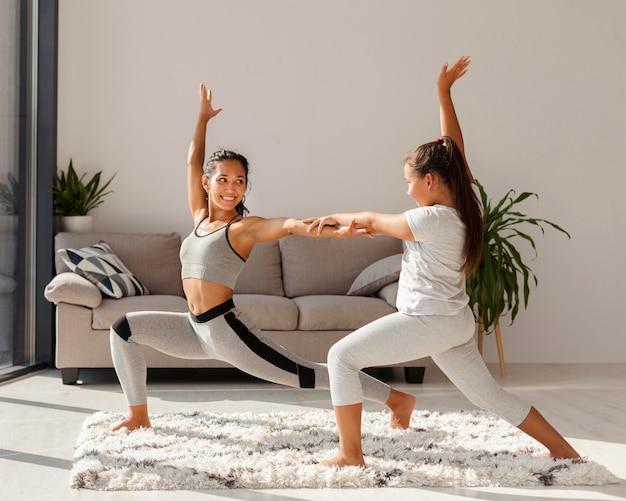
(325,96)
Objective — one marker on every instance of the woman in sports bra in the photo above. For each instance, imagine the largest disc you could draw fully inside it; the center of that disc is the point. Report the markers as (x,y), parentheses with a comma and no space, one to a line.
(212,257)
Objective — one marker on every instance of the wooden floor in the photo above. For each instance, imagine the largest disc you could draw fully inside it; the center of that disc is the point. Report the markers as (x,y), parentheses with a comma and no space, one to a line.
(40,419)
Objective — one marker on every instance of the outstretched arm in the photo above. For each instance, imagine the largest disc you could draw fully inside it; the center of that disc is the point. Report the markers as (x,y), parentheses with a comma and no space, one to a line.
(195,158)
(447,115)
(258,229)
(249,231)
(371,223)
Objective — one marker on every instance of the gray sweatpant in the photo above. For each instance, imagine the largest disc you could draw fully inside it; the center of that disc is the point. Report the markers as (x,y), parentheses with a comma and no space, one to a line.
(223,333)
(397,338)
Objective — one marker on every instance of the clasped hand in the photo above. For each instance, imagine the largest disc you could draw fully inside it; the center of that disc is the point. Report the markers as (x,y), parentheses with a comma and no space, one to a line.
(340,231)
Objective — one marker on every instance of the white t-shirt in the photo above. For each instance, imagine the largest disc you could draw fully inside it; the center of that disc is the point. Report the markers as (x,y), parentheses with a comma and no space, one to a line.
(432,280)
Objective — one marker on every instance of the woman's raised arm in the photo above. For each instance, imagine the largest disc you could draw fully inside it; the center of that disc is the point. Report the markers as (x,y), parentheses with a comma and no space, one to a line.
(195,158)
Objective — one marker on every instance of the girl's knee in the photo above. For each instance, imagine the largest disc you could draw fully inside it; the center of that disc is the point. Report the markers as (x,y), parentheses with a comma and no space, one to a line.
(334,356)
(340,358)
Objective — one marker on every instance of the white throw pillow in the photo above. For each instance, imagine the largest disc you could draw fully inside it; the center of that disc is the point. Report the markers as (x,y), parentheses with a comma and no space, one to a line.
(69,287)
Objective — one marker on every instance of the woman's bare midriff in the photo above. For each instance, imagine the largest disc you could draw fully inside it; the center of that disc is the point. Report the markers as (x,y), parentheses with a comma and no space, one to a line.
(203,295)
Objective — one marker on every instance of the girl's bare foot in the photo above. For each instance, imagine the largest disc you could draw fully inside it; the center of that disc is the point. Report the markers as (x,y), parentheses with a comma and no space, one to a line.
(537,427)
(569,453)
(563,454)
(401,405)
(341,462)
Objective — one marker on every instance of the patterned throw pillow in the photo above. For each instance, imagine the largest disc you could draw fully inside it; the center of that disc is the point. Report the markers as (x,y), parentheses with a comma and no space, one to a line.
(101,266)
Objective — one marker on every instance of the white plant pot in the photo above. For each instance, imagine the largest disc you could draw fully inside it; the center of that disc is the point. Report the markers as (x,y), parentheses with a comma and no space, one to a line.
(75,224)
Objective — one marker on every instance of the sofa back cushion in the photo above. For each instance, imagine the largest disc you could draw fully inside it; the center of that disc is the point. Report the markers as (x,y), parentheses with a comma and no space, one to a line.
(152,257)
(262,272)
(328,265)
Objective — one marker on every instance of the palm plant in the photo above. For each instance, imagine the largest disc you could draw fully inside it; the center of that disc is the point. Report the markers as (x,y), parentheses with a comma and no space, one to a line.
(494,288)
(72,196)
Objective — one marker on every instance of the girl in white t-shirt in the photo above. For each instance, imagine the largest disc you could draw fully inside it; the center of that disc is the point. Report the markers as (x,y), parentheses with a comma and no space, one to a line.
(443,244)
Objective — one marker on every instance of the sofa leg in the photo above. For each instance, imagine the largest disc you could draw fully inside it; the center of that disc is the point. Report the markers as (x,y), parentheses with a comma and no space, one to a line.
(414,374)
(69,375)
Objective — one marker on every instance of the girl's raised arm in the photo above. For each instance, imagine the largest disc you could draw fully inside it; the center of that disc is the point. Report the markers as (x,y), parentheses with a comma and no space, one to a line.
(447,115)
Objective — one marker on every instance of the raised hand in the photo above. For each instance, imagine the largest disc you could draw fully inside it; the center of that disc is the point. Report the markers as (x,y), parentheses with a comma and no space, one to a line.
(206,106)
(449,75)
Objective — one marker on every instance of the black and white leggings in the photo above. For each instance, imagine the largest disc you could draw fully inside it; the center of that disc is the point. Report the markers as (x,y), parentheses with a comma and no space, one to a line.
(222,333)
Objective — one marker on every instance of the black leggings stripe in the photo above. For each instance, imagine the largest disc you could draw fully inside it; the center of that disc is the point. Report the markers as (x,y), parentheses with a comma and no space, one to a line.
(121,328)
(306,375)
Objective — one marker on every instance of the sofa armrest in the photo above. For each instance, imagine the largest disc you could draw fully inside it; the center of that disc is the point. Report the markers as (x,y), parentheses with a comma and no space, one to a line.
(69,287)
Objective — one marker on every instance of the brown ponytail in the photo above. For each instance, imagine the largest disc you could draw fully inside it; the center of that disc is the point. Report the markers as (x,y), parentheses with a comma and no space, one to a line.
(444,159)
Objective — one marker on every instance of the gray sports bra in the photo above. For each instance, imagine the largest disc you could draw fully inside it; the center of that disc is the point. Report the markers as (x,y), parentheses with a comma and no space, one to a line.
(211,257)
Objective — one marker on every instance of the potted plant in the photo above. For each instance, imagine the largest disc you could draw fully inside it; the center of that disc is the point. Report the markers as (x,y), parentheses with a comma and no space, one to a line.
(494,288)
(8,203)
(74,197)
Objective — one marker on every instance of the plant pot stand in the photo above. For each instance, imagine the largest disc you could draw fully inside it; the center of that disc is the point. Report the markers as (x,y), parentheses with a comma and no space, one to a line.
(498,334)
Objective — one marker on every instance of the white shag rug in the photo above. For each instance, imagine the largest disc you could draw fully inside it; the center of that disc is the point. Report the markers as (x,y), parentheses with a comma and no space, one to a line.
(204,451)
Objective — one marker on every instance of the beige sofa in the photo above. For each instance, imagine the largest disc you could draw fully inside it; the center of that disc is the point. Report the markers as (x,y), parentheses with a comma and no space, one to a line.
(294,289)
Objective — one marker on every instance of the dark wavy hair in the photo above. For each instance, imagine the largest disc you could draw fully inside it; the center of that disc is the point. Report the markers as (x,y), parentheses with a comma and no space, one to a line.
(444,159)
(221,155)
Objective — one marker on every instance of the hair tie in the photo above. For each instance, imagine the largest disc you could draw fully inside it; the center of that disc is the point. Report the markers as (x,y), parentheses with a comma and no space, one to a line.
(439,140)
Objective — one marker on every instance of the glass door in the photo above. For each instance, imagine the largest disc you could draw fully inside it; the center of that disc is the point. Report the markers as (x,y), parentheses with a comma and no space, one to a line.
(10,178)
(27,158)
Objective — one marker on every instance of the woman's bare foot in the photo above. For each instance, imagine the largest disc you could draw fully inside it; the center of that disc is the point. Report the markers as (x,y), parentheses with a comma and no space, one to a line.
(130,424)
(341,462)
(137,418)
(401,405)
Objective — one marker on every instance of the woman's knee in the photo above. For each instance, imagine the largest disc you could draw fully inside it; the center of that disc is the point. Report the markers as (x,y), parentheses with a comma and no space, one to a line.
(121,328)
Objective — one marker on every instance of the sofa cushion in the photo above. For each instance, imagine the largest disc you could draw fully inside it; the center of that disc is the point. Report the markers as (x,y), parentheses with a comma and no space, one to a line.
(262,272)
(69,287)
(101,266)
(325,312)
(152,257)
(328,265)
(376,276)
(269,312)
(111,309)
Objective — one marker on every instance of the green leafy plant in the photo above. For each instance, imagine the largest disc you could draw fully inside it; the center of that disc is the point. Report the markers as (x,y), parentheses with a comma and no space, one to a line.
(8,195)
(494,288)
(73,196)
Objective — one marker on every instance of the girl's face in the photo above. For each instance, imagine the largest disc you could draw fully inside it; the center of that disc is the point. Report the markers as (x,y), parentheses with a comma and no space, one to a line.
(419,188)
(227,184)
